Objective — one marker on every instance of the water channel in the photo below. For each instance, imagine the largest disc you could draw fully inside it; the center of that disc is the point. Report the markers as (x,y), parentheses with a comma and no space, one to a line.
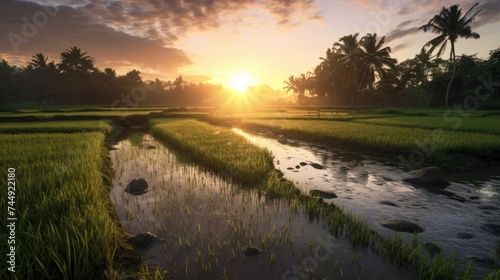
(464,220)
(204,224)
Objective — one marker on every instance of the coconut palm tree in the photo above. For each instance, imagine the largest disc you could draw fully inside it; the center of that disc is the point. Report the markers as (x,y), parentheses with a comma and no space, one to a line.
(74,61)
(39,61)
(292,85)
(424,62)
(375,60)
(347,58)
(450,25)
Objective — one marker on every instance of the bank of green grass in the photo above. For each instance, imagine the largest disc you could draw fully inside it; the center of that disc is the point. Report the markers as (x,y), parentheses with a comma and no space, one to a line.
(201,141)
(66,227)
(489,125)
(56,126)
(217,148)
(453,151)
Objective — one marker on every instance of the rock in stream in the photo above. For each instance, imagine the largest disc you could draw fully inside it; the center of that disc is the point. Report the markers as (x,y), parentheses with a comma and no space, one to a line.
(401,225)
(137,187)
(429,177)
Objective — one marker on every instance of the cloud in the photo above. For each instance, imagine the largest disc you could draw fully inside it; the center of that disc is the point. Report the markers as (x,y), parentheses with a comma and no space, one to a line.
(169,20)
(428,8)
(490,13)
(130,32)
(405,23)
(400,33)
(69,28)
(399,47)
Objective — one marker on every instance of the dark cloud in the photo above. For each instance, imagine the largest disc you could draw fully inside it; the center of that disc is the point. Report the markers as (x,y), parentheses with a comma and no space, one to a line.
(130,32)
(400,47)
(69,28)
(400,33)
(168,20)
(405,23)
(490,13)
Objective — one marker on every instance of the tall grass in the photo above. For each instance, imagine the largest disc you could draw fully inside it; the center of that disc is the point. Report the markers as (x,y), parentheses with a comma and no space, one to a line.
(66,228)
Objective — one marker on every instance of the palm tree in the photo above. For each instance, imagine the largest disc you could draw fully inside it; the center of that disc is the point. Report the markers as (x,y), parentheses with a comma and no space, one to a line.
(347,58)
(179,83)
(374,60)
(74,61)
(39,61)
(305,83)
(450,25)
(292,85)
(423,60)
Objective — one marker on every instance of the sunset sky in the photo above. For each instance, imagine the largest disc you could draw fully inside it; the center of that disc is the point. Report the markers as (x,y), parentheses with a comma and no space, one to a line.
(213,40)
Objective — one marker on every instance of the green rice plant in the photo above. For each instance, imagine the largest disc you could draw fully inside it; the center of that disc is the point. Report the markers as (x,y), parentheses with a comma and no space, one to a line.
(44,113)
(450,149)
(193,137)
(67,228)
(217,148)
(454,123)
(56,126)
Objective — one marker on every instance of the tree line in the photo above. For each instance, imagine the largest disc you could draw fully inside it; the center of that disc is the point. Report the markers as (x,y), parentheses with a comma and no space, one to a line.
(75,80)
(359,71)
(355,71)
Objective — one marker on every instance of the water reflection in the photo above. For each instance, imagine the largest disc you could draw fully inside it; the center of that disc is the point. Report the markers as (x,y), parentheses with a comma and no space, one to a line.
(204,223)
(375,191)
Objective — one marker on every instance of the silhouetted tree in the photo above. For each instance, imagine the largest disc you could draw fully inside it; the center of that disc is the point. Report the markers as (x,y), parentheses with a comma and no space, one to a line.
(347,60)
(73,61)
(375,60)
(292,85)
(450,25)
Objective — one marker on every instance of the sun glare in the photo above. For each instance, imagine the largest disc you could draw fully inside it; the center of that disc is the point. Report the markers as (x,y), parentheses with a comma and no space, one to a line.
(240,82)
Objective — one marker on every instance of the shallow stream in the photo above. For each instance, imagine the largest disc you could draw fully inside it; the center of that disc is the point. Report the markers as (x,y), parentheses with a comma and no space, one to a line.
(204,224)
(465,219)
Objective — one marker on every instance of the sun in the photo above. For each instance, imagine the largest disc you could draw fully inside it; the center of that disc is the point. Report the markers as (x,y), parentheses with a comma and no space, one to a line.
(240,82)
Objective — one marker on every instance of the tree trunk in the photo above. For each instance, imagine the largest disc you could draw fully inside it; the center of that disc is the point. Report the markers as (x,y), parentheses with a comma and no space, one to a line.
(452,56)
(352,87)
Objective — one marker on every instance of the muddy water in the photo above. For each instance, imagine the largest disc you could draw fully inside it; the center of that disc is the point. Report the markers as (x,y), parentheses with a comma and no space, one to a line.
(465,219)
(203,224)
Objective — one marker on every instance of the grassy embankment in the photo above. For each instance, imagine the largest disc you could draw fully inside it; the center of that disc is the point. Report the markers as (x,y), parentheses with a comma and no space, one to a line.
(213,147)
(66,225)
(420,138)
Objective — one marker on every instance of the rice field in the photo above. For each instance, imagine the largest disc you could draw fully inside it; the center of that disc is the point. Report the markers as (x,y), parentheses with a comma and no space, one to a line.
(65,223)
(487,125)
(216,147)
(56,126)
(68,226)
(401,251)
(450,150)
(210,228)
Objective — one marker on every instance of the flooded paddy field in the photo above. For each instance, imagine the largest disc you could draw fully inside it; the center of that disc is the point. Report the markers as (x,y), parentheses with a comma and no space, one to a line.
(200,226)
